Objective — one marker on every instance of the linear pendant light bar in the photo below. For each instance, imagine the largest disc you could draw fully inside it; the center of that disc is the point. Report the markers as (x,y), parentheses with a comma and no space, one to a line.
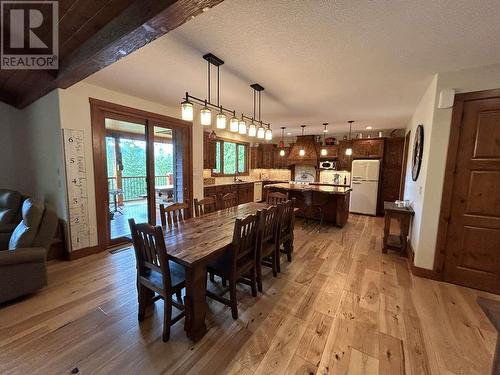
(236,125)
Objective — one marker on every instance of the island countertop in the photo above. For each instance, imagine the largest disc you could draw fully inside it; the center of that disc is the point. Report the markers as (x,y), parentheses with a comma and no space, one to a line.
(335,190)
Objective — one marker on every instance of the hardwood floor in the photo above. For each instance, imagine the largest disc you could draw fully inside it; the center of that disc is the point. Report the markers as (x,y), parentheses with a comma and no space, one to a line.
(341,307)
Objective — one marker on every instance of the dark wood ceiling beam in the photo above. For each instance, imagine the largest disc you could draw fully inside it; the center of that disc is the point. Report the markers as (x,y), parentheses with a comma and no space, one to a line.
(140,23)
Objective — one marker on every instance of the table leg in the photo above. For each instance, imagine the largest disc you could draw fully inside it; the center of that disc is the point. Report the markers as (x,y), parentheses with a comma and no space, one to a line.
(404,225)
(387,228)
(196,304)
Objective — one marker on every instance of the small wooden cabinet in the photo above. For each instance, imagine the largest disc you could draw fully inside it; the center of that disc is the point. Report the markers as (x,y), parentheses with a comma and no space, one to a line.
(281,162)
(343,160)
(208,152)
(245,193)
(268,151)
(255,157)
(368,148)
(332,152)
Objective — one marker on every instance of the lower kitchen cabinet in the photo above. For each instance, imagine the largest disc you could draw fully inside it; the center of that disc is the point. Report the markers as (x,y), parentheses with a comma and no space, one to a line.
(244,191)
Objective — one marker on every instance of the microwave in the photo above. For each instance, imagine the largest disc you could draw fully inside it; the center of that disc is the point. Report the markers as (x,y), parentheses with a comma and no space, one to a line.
(328,165)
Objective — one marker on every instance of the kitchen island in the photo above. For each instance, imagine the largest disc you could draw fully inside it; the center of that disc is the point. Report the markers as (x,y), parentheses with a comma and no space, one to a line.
(314,201)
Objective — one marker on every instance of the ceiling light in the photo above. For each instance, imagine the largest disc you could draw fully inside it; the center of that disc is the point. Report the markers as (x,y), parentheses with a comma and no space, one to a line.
(302,152)
(324,151)
(187,110)
(369,128)
(288,133)
(348,151)
(206,116)
(252,130)
(234,123)
(269,134)
(242,126)
(261,132)
(221,120)
(282,152)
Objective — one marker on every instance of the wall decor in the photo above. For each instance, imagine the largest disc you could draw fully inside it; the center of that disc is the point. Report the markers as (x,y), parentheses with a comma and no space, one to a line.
(418,148)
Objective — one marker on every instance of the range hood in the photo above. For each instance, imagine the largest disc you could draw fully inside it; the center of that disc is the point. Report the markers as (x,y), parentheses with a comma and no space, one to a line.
(308,144)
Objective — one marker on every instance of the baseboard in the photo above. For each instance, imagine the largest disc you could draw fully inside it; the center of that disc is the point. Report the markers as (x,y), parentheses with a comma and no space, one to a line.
(77,254)
(418,271)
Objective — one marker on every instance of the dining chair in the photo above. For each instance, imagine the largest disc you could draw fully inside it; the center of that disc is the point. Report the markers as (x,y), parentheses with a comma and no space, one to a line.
(268,243)
(205,206)
(238,262)
(276,197)
(172,214)
(229,200)
(285,228)
(156,274)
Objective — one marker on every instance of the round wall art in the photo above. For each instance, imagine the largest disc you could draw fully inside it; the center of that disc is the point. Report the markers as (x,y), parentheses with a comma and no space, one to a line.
(418,148)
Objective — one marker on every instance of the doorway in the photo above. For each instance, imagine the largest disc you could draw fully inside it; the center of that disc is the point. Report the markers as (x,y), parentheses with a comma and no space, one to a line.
(141,160)
(469,235)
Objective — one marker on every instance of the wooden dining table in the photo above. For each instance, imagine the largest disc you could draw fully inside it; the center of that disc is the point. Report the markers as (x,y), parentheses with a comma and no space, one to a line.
(195,242)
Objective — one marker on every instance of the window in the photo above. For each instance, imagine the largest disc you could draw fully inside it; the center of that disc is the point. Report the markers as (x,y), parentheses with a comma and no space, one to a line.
(231,158)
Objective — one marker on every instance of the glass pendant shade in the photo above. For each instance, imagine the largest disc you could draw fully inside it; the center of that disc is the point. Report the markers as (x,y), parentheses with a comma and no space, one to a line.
(282,152)
(187,110)
(221,120)
(348,151)
(324,152)
(261,132)
(206,116)
(302,152)
(252,130)
(269,134)
(233,123)
(242,127)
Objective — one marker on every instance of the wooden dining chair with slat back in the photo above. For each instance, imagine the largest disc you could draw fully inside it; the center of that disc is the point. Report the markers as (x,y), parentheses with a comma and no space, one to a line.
(285,228)
(275,197)
(172,214)
(238,263)
(268,245)
(156,274)
(229,200)
(205,206)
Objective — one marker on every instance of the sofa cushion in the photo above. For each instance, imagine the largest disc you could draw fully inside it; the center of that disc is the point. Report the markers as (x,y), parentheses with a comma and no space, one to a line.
(25,232)
(10,201)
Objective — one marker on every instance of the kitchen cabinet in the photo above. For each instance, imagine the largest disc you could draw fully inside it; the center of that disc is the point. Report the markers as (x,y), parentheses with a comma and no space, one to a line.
(343,160)
(245,193)
(392,167)
(368,148)
(332,152)
(255,157)
(281,162)
(208,152)
(268,151)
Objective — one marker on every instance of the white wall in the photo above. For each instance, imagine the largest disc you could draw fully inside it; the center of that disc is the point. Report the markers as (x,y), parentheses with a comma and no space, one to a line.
(8,124)
(426,192)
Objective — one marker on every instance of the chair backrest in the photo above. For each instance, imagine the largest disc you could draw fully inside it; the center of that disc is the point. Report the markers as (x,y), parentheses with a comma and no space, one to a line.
(172,214)
(150,251)
(287,216)
(205,206)
(229,200)
(276,197)
(245,237)
(271,217)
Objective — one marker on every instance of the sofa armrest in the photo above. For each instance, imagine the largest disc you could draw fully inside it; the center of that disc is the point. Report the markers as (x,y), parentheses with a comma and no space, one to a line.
(25,255)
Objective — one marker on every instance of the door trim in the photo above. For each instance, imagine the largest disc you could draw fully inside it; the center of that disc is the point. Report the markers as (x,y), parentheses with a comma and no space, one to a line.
(449,176)
(98,109)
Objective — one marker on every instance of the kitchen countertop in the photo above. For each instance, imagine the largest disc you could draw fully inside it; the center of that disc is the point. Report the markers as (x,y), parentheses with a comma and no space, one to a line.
(239,183)
(327,184)
(334,190)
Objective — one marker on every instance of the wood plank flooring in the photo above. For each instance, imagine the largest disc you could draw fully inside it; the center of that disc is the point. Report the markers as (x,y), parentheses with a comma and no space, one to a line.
(341,307)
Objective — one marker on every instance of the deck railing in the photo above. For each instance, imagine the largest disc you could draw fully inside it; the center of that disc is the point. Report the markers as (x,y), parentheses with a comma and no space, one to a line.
(134,187)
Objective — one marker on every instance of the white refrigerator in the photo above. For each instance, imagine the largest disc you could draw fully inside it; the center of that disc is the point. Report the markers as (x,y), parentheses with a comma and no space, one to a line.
(364,184)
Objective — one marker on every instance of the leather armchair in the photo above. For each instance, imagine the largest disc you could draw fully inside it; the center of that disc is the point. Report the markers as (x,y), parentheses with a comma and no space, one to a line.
(23,269)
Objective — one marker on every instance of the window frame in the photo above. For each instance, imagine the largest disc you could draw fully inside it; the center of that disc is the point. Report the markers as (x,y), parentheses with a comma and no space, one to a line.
(246,146)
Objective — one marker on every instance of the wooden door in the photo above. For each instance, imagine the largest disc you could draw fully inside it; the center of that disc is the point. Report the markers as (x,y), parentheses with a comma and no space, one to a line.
(473,233)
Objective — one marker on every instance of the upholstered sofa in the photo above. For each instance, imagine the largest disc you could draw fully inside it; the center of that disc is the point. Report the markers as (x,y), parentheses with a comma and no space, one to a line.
(27,228)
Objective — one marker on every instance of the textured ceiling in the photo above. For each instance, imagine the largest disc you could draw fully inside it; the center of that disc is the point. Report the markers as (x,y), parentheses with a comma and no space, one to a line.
(319,61)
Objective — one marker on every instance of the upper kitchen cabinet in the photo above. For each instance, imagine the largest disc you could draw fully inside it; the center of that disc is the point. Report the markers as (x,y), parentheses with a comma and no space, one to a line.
(268,151)
(255,157)
(208,152)
(368,148)
(343,160)
(281,162)
(331,152)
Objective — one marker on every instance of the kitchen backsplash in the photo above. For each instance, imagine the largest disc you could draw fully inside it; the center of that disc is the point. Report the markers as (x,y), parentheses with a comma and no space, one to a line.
(255,174)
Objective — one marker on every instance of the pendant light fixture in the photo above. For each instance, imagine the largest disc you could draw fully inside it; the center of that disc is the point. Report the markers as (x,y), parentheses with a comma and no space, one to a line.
(206,115)
(348,151)
(187,109)
(282,142)
(302,152)
(242,126)
(261,132)
(268,134)
(234,123)
(324,151)
(221,120)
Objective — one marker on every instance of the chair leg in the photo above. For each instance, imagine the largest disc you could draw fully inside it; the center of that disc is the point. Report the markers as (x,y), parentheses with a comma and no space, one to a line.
(274,260)
(278,259)
(253,281)
(232,296)
(142,299)
(167,316)
(258,270)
